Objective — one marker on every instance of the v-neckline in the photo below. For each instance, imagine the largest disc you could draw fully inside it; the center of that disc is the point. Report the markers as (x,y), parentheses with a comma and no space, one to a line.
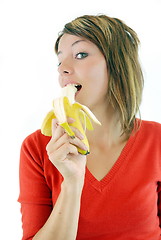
(110,176)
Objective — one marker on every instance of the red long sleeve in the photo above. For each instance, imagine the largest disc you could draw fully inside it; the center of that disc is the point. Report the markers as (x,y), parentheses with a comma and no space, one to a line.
(35,197)
(124,205)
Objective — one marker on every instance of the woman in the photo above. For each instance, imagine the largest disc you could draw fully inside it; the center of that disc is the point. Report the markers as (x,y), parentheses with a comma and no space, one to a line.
(114,192)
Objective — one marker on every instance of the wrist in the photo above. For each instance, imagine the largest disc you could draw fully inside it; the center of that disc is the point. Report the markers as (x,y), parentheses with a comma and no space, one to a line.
(74,187)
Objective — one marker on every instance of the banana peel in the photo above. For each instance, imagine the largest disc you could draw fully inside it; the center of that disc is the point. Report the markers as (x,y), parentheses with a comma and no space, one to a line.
(65,107)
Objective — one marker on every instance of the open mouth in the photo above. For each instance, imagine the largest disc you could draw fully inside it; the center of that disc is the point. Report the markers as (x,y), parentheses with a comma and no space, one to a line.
(78,87)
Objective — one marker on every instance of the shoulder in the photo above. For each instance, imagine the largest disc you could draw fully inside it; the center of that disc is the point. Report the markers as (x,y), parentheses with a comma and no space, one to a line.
(151,131)
(35,142)
(36,137)
(151,126)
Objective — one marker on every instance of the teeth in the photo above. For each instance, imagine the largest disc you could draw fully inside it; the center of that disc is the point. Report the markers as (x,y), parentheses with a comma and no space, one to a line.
(65,107)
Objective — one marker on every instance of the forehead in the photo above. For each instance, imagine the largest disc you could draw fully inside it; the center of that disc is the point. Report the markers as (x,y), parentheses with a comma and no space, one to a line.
(71,40)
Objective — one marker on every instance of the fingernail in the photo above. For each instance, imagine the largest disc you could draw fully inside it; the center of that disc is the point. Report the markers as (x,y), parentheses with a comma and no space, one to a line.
(71,119)
(81,136)
(85,147)
(72,137)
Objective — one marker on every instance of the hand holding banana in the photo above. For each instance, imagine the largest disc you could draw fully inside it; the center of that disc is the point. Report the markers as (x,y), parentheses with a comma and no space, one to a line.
(66,107)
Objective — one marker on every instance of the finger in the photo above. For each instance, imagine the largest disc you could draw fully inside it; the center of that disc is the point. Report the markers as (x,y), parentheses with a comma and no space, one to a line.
(58,142)
(62,152)
(77,133)
(66,139)
(57,131)
(68,149)
(70,120)
(78,143)
(55,124)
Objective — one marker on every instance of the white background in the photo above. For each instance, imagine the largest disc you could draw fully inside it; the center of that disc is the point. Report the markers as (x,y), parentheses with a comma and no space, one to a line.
(28,75)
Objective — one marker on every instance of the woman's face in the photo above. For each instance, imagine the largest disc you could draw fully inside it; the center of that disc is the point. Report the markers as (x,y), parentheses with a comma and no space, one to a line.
(81,62)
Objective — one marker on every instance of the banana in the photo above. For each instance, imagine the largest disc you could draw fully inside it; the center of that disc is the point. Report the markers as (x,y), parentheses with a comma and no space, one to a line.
(64,107)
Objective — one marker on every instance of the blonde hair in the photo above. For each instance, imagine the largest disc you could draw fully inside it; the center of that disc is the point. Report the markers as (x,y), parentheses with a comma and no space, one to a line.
(119,45)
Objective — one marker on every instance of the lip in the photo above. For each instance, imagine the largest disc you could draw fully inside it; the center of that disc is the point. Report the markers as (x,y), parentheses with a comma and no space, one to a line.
(77,93)
(75,83)
(64,85)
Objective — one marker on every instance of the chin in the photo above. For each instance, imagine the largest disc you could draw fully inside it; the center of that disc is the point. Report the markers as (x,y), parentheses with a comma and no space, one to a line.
(84,101)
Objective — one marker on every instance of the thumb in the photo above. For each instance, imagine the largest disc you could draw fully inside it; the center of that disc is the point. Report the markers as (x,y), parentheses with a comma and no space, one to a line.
(54,125)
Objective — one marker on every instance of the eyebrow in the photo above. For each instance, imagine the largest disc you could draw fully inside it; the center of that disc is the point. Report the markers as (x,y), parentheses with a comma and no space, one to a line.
(73,44)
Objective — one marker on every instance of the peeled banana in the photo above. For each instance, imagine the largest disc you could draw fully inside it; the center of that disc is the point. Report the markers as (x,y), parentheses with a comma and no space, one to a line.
(64,107)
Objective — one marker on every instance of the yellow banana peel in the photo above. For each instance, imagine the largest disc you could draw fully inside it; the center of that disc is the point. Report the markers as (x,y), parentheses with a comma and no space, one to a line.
(65,107)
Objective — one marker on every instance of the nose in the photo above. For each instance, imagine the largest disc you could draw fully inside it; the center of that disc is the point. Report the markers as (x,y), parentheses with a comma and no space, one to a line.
(65,68)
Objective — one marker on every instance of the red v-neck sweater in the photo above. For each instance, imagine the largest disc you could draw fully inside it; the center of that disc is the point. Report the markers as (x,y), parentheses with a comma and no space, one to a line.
(124,205)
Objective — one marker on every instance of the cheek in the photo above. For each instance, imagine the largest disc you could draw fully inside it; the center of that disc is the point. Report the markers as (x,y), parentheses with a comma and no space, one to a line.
(98,74)
(95,79)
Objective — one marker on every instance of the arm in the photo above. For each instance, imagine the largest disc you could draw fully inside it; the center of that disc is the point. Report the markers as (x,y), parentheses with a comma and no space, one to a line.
(62,219)
(35,193)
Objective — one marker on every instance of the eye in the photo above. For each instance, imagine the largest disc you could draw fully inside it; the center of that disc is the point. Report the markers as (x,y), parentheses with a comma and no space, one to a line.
(81,55)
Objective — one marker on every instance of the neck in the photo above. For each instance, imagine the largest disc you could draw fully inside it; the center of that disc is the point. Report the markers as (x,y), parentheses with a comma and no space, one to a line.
(109,133)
